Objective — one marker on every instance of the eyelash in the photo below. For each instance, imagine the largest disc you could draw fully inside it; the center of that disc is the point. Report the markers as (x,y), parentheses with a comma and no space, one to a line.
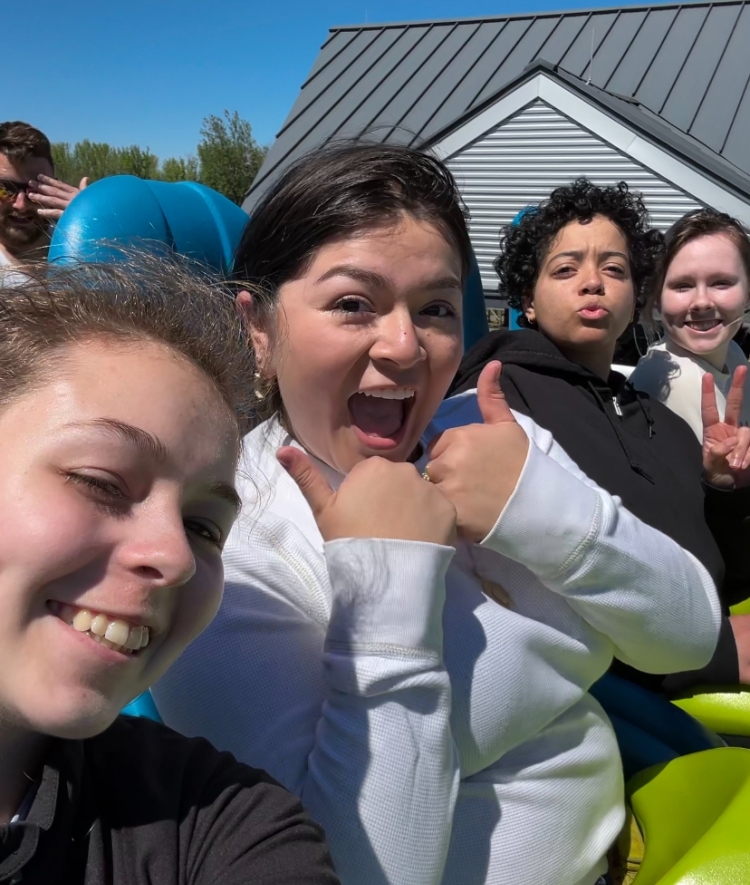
(338,306)
(610,267)
(103,490)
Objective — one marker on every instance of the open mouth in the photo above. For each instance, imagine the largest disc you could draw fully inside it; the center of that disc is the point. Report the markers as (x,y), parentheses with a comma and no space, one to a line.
(703,325)
(113,633)
(379,416)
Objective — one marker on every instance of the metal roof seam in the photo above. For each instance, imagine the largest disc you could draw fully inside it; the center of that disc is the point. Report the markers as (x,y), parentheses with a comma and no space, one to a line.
(500,64)
(542,14)
(711,78)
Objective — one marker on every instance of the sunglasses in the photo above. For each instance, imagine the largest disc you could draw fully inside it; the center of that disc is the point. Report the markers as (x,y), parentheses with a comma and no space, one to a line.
(9,190)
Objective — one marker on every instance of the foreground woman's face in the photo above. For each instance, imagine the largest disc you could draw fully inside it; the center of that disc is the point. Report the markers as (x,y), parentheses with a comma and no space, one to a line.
(369,340)
(705,294)
(116,493)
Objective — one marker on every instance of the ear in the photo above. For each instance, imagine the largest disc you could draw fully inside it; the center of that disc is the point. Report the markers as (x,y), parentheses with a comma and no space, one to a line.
(527,304)
(259,336)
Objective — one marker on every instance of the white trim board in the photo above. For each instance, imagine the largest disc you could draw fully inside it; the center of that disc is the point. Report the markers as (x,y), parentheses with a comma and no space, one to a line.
(658,160)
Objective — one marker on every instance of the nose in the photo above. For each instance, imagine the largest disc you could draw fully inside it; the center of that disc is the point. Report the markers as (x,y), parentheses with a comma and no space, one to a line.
(397,341)
(701,299)
(21,202)
(592,282)
(157,549)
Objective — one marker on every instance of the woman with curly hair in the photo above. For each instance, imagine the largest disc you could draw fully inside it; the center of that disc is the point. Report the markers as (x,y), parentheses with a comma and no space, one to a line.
(579,267)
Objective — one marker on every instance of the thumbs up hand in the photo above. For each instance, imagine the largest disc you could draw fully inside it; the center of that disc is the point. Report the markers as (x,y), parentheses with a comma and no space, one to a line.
(378,499)
(477,467)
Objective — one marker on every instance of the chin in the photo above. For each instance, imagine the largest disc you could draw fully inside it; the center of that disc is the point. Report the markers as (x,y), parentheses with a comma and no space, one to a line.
(74,717)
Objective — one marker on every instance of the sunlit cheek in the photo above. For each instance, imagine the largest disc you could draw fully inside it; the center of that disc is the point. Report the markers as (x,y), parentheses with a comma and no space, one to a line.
(198,601)
(51,531)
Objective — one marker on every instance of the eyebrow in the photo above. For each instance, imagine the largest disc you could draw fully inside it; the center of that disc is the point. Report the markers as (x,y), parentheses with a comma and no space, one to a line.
(577,253)
(226,492)
(153,447)
(145,442)
(378,281)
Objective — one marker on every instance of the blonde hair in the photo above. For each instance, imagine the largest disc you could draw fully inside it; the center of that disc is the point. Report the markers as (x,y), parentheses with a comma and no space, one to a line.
(139,297)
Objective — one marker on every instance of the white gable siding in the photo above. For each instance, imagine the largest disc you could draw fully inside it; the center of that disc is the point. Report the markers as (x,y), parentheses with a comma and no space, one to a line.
(519,162)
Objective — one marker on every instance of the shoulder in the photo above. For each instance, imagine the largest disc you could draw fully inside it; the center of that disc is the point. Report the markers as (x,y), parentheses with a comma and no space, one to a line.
(660,371)
(735,357)
(177,806)
(275,548)
(463,409)
(161,767)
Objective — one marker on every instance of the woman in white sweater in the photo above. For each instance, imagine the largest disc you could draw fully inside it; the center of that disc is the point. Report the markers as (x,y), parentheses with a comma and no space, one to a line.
(701,293)
(413,658)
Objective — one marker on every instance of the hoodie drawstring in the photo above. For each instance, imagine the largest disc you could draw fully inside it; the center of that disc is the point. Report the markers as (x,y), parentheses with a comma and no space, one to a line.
(613,424)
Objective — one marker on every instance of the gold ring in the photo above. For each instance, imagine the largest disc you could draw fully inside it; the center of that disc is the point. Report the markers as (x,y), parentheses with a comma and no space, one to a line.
(426,474)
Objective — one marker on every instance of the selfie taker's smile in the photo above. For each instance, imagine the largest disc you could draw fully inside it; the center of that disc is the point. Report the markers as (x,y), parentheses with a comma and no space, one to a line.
(379,416)
(110,632)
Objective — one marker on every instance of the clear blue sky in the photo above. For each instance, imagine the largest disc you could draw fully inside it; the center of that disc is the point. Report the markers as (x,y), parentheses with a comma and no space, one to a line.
(147,72)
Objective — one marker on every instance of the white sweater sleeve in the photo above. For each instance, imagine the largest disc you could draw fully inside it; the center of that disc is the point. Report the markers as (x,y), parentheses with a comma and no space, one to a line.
(654,600)
(353,714)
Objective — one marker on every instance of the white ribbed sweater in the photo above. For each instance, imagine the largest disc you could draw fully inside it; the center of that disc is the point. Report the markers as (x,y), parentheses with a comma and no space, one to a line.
(441,738)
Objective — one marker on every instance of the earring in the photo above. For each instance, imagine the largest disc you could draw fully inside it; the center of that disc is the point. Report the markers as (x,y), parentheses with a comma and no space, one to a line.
(262,387)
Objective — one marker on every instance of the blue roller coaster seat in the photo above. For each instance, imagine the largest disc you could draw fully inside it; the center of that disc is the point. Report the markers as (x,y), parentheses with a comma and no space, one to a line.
(649,728)
(184,217)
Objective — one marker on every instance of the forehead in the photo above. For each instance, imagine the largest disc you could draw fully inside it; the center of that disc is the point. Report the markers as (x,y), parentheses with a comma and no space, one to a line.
(407,249)
(600,234)
(712,250)
(145,385)
(25,170)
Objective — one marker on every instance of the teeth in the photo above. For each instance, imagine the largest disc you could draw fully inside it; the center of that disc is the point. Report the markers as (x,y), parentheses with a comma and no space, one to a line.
(390,393)
(99,625)
(82,621)
(107,631)
(135,638)
(118,632)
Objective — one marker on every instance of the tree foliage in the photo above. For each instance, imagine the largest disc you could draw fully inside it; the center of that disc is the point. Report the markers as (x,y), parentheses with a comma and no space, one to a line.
(229,155)
(228,159)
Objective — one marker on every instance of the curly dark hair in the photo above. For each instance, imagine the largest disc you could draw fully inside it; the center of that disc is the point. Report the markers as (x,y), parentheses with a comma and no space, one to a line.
(524,245)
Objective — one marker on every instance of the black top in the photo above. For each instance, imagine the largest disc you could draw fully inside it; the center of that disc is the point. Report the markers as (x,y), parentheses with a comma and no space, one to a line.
(141,805)
(635,448)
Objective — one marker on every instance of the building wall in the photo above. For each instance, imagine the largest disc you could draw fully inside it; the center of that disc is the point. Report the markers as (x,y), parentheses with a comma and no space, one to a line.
(518,163)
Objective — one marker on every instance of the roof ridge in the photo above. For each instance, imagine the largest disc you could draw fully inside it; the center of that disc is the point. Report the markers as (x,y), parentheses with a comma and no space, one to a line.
(531,14)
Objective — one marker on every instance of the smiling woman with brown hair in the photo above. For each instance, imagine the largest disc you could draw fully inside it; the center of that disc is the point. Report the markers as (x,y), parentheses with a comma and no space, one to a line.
(120,423)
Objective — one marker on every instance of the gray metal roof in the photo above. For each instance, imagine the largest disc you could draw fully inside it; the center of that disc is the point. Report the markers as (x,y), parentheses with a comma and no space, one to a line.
(680,70)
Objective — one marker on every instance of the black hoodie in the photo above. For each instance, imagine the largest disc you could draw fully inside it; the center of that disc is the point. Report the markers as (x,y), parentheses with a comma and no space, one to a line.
(635,448)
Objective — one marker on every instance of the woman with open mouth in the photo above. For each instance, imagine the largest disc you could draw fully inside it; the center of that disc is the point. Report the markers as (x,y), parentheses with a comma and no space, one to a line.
(701,293)
(418,595)
(120,430)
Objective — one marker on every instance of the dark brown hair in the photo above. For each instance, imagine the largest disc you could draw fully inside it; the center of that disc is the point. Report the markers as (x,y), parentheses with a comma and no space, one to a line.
(141,298)
(19,140)
(699,223)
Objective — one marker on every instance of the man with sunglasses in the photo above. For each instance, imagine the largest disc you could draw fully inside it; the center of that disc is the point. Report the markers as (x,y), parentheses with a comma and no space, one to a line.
(31,198)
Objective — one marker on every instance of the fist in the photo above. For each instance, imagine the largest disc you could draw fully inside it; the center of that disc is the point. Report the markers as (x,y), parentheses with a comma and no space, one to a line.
(378,499)
(477,467)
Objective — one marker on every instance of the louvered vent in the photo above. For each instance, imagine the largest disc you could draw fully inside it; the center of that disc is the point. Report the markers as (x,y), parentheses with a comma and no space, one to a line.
(524,158)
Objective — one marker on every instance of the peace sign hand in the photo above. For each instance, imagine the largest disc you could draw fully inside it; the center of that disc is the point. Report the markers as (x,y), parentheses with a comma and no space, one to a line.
(477,467)
(726,445)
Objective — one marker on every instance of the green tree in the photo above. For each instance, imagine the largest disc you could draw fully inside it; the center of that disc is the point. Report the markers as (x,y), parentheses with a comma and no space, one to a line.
(179,169)
(229,155)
